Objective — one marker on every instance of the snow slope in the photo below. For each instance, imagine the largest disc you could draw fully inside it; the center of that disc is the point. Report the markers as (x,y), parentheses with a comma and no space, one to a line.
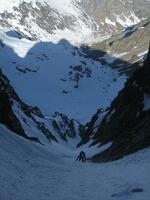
(58,77)
(29,171)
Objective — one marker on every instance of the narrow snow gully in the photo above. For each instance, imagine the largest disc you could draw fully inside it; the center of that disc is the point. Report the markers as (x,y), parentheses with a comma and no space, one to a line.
(30,171)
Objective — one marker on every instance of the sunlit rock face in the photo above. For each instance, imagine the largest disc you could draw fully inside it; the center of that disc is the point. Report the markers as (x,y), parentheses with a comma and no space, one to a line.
(114,15)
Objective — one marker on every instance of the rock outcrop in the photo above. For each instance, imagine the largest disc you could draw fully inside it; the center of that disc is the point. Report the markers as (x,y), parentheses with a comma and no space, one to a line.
(127,123)
(8,116)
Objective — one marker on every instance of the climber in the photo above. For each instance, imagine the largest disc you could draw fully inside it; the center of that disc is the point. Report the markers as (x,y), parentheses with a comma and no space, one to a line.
(81,157)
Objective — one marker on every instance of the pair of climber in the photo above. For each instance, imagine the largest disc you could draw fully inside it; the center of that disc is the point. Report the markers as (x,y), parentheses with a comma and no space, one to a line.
(81,157)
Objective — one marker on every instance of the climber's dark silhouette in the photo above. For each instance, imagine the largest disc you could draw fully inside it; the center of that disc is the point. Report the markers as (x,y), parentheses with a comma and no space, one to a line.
(81,157)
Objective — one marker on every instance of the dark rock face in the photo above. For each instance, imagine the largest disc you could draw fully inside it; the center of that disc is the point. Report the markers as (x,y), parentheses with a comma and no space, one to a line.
(65,127)
(127,124)
(90,128)
(7,116)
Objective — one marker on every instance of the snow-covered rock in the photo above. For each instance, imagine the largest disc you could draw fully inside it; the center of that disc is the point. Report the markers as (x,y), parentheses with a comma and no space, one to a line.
(114,15)
(46,20)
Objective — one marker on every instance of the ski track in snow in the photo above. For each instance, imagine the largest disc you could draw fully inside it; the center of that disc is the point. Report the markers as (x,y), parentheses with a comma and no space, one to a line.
(29,171)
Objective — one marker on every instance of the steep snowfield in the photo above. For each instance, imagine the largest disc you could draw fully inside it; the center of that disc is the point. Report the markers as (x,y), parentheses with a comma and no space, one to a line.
(29,172)
(58,77)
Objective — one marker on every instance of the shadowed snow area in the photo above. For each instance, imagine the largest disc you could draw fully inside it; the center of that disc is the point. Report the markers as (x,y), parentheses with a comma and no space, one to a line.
(58,77)
(30,171)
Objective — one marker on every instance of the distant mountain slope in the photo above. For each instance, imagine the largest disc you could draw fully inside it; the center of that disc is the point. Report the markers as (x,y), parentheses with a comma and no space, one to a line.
(46,20)
(130,45)
(115,15)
